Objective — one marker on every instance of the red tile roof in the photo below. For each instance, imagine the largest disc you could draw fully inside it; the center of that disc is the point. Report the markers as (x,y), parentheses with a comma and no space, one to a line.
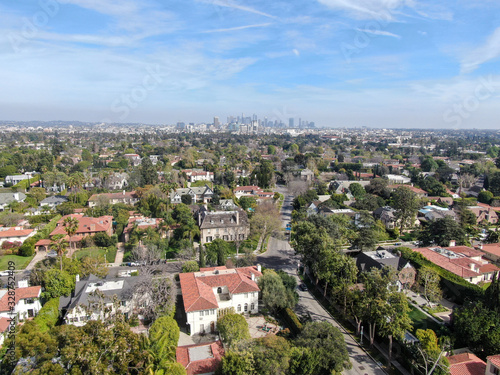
(491,248)
(13,232)
(465,250)
(466,364)
(85,224)
(197,287)
(247,188)
(203,366)
(21,293)
(494,359)
(4,324)
(446,263)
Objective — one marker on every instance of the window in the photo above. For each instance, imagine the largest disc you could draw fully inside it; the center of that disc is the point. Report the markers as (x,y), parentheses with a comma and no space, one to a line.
(123,303)
(208,239)
(225,230)
(246,307)
(225,238)
(239,308)
(219,290)
(217,231)
(252,307)
(29,301)
(495,370)
(208,231)
(201,313)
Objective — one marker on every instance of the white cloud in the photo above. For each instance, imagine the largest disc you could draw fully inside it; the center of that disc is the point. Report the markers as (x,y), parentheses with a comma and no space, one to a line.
(368,9)
(380,32)
(237,28)
(234,5)
(488,51)
(296,52)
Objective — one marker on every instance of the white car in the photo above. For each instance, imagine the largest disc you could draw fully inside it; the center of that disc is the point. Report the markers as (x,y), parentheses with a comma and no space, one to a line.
(5,273)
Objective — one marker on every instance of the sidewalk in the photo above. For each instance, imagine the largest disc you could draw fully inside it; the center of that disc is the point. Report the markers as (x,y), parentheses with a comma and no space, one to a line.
(120,252)
(38,257)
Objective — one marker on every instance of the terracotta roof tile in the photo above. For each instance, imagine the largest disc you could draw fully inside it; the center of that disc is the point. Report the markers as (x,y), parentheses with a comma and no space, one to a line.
(494,359)
(203,366)
(85,224)
(466,364)
(21,293)
(12,232)
(4,324)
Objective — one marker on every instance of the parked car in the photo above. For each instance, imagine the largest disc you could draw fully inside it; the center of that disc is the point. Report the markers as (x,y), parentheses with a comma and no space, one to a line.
(5,273)
(303,287)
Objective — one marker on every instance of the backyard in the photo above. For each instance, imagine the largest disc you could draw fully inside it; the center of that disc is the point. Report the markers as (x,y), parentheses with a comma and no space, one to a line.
(20,262)
(422,321)
(109,252)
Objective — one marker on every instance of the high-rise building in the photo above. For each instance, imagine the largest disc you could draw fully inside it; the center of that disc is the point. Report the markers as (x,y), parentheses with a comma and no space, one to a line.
(290,122)
(216,122)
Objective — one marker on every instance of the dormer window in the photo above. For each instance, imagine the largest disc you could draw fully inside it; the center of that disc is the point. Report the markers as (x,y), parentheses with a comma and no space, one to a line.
(219,290)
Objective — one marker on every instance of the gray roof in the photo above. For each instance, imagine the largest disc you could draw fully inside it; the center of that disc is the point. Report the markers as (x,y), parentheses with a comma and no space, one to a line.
(6,198)
(224,219)
(56,199)
(379,259)
(80,298)
(202,190)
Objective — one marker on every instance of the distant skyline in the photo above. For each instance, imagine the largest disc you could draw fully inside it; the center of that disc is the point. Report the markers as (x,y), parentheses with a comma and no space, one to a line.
(374,63)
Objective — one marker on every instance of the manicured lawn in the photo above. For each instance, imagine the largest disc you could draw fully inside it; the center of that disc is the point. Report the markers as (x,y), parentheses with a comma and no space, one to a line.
(21,262)
(97,251)
(421,321)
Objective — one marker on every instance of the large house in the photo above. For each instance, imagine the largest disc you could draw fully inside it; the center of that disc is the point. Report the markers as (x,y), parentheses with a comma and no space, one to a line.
(198,175)
(252,191)
(27,301)
(200,359)
(484,215)
(227,225)
(382,258)
(141,223)
(87,226)
(53,202)
(463,261)
(463,362)
(198,194)
(7,198)
(130,198)
(207,292)
(93,295)
(15,234)
(116,181)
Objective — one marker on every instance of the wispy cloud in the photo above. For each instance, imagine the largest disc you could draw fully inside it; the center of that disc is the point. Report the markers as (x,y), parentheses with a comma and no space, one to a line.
(236,28)
(367,9)
(488,51)
(380,32)
(234,5)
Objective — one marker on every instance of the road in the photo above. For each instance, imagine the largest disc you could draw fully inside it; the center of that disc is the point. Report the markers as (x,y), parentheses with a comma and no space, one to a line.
(280,255)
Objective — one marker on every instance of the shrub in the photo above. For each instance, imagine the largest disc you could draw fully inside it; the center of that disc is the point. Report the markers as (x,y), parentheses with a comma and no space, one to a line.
(233,328)
(292,320)
(48,316)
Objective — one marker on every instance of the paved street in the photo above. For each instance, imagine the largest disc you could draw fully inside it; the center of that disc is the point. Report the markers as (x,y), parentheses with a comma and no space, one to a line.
(280,255)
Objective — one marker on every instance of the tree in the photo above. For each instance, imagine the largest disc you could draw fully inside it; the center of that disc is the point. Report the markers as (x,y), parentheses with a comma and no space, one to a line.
(428,164)
(148,172)
(164,336)
(190,266)
(378,186)
(495,183)
(441,231)
(266,219)
(70,225)
(57,283)
(93,265)
(271,355)
(59,245)
(274,294)
(485,196)
(406,203)
(429,354)
(186,199)
(328,344)
(217,252)
(237,363)
(38,193)
(247,202)
(357,190)
(396,321)
(429,280)
(263,174)
(233,328)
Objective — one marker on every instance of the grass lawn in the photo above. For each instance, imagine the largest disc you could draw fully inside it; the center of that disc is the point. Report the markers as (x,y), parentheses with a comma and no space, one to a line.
(422,321)
(97,251)
(21,262)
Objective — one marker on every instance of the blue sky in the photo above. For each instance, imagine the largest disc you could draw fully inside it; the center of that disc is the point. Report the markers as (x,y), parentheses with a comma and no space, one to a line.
(378,63)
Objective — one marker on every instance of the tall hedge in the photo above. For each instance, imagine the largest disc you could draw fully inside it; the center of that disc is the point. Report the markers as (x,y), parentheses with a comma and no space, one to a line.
(48,316)
(164,336)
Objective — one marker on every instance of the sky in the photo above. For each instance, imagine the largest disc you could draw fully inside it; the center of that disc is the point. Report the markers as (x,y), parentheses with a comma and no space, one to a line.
(339,63)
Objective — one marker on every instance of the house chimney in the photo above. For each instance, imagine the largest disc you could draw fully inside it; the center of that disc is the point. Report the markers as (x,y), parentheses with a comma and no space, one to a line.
(259,268)
(16,196)
(253,277)
(22,284)
(77,278)
(453,243)
(123,192)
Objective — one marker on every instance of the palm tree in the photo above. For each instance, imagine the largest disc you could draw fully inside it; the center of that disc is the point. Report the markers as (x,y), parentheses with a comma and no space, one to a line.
(70,225)
(59,244)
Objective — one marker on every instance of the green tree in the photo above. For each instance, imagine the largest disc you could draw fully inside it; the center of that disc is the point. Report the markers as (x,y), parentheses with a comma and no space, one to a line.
(190,266)
(187,199)
(148,172)
(428,164)
(271,355)
(328,343)
(441,231)
(429,354)
(406,203)
(164,336)
(396,321)
(274,294)
(70,225)
(429,280)
(237,363)
(263,174)
(233,328)
(494,183)
(57,283)
(59,245)
(38,193)
(217,252)
(485,196)
(357,190)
